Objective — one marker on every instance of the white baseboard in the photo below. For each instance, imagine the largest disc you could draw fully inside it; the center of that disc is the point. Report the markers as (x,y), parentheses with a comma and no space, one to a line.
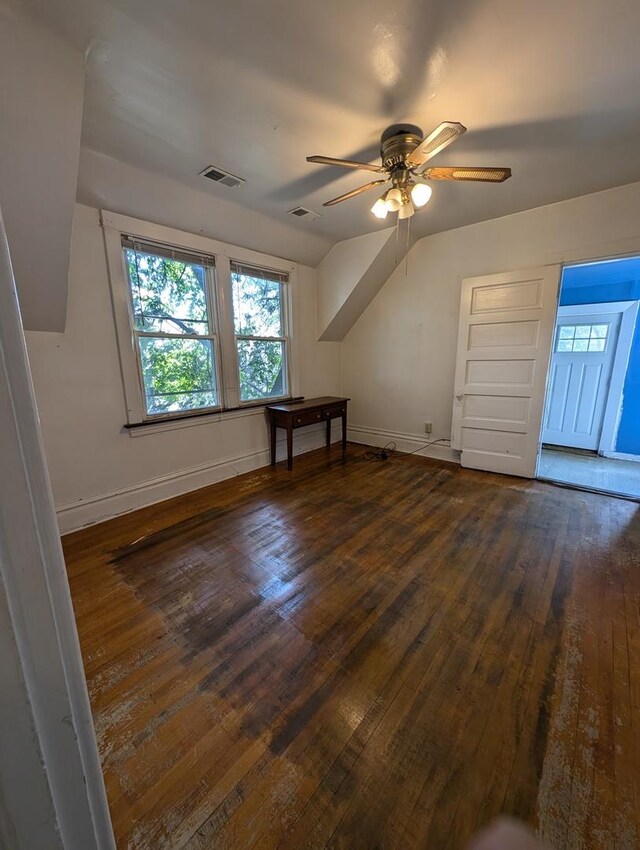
(404,442)
(102,506)
(621,456)
(106,505)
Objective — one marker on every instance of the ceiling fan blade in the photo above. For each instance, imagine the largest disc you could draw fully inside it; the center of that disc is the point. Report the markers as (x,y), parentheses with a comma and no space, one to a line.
(346,163)
(353,193)
(442,136)
(479,175)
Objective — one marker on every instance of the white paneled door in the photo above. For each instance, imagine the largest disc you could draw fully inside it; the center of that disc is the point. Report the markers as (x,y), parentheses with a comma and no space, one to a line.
(584,350)
(504,344)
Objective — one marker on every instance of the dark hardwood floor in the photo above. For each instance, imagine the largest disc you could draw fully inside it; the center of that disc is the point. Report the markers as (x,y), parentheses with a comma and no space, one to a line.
(365,655)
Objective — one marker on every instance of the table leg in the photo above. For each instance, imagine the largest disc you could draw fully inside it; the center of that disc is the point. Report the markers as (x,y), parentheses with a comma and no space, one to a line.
(344,432)
(289,447)
(328,432)
(273,444)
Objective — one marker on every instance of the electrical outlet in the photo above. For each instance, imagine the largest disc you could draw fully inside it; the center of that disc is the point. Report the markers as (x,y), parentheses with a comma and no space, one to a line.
(428,427)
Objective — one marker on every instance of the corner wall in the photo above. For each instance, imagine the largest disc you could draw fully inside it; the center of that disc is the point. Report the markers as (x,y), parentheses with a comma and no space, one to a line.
(398,360)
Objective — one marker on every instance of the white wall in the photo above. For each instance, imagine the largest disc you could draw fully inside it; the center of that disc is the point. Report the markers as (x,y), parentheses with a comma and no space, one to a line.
(399,358)
(41,97)
(97,468)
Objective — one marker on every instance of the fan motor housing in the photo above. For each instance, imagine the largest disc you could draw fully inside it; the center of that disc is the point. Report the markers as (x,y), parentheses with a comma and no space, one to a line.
(397,142)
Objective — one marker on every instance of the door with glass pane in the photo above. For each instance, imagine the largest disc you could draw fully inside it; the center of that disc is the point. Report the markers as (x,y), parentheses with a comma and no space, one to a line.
(583,354)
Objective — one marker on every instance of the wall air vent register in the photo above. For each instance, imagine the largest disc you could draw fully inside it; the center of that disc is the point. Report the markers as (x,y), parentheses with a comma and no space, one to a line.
(212,172)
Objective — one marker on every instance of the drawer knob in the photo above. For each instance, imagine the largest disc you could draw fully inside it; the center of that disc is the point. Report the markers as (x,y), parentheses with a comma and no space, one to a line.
(298,419)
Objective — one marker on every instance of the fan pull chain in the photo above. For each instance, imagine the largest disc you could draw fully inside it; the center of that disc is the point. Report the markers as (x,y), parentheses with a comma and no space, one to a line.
(397,234)
(406,258)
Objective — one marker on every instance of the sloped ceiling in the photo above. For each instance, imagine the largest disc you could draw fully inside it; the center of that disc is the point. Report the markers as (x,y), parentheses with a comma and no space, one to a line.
(41,90)
(350,276)
(550,89)
(108,183)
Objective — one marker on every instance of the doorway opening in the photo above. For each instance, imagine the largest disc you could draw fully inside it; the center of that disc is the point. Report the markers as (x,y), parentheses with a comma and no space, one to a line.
(591,422)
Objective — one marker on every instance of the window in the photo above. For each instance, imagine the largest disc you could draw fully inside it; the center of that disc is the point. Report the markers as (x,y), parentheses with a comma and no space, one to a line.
(259,329)
(582,338)
(197,331)
(174,328)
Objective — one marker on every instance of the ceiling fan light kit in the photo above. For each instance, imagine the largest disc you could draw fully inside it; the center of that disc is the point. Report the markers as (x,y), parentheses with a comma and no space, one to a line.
(420,194)
(406,210)
(393,199)
(379,209)
(404,152)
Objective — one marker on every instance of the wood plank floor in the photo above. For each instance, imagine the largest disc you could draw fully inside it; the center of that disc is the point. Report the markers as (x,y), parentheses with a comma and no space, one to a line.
(365,655)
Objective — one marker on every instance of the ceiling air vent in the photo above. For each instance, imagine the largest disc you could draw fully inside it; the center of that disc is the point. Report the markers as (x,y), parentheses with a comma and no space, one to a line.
(220,176)
(303,212)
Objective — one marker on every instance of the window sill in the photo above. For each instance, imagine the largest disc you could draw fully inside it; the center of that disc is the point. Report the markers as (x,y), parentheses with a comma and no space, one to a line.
(154,427)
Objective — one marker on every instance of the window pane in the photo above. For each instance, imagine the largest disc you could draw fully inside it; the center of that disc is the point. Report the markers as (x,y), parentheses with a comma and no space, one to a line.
(257,306)
(580,344)
(599,331)
(596,344)
(261,365)
(565,345)
(178,374)
(169,296)
(567,331)
(582,331)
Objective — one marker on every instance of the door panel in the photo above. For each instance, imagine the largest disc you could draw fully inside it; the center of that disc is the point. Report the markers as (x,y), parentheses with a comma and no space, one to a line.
(587,419)
(494,444)
(504,342)
(559,390)
(496,409)
(521,295)
(504,376)
(503,333)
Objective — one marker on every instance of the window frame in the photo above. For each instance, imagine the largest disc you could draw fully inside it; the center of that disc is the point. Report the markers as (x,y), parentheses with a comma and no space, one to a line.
(220,303)
(212,314)
(285,338)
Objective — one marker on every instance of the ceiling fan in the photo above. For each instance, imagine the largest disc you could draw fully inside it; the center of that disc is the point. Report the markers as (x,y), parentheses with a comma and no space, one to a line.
(404,152)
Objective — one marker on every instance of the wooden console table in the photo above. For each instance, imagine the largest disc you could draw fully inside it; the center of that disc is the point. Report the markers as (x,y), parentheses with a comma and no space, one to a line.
(297,414)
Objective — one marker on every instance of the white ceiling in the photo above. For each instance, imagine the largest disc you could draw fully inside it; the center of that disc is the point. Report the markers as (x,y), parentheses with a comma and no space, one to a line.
(551,89)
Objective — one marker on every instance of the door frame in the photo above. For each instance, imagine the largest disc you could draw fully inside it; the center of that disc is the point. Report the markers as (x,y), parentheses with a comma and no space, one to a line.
(623,249)
(628,311)
(57,799)
(613,406)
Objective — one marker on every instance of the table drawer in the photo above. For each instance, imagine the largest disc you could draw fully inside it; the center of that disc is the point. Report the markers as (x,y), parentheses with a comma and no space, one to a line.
(307,417)
(332,412)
